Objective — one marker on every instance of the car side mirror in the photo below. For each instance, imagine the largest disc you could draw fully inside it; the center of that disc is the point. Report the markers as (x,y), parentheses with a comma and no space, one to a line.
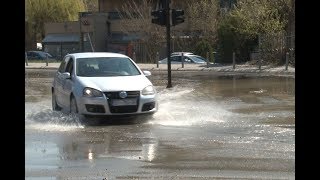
(147,73)
(66,75)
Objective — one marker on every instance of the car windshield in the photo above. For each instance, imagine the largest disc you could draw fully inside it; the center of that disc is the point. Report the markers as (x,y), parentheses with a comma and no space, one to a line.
(105,67)
(204,59)
(197,59)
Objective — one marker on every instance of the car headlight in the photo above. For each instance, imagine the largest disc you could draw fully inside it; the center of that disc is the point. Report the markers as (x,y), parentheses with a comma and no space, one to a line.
(149,90)
(90,92)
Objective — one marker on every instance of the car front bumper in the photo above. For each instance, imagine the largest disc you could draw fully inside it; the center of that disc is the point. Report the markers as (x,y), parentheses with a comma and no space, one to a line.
(103,106)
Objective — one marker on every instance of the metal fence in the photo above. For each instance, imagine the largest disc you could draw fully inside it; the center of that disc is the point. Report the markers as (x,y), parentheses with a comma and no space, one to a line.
(141,52)
(273,48)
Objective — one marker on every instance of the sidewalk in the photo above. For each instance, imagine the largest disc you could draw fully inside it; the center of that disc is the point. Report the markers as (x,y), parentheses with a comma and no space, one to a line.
(194,67)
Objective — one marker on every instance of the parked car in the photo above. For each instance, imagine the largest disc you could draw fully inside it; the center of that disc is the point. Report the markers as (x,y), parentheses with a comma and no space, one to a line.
(180,53)
(38,55)
(189,58)
(96,83)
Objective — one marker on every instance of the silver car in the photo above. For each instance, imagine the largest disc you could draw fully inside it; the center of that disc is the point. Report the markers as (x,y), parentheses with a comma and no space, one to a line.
(98,83)
(188,59)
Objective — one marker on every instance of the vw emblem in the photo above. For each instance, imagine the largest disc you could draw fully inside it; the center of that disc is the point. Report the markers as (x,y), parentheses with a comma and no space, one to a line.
(123,94)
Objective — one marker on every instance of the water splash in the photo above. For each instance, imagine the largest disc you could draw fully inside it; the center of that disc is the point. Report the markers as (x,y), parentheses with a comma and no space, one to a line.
(176,103)
(40,116)
(258,91)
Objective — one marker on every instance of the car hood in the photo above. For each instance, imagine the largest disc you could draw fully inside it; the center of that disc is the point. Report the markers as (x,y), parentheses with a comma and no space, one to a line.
(119,83)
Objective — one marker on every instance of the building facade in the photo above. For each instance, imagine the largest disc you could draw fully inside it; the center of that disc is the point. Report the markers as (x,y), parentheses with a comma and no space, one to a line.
(103,31)
(61,38)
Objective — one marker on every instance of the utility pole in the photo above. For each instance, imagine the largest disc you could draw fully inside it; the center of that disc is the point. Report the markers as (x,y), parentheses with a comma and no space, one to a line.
(81,43)
(168,17)
(164,16)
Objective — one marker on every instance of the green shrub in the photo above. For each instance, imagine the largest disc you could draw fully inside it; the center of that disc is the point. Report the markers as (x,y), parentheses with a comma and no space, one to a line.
(202,48)
(226,39)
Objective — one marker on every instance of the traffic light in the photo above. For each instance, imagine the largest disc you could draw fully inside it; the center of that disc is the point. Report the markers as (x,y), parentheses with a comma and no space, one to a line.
(177,16)
(159,17)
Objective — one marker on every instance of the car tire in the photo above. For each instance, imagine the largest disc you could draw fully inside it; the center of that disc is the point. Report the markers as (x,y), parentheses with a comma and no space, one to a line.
(74,111)
(73,105)
(55,106)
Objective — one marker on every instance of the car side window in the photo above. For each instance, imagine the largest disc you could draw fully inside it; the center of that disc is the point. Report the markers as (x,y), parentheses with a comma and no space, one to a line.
(32,54)
(176,58)
(62,66)
(69,67)
(187,59)
(35,55)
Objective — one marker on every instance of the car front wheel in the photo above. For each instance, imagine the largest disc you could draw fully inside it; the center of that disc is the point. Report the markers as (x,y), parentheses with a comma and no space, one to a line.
(74,110)
(73,105)
(55,106)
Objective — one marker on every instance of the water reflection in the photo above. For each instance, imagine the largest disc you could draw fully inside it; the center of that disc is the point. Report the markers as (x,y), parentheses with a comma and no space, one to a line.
(104,142)
(149,151)
(90,155)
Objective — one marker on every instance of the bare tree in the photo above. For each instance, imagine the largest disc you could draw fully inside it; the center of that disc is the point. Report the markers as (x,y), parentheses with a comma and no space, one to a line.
(91,5)
(136,20)
(203,19)
(39,12)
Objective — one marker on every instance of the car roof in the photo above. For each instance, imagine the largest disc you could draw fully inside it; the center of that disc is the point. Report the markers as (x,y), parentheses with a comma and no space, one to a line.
(187,55)
(97,54)
(184,53)
(39,52)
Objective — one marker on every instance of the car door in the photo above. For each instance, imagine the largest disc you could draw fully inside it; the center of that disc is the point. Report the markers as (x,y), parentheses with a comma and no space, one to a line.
(67,84)
(58,82)
(175,59)
(29,55)
(36,56)
(188,60)
(32,56)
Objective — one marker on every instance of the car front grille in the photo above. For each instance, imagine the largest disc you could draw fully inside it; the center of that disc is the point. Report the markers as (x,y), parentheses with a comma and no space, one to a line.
(115,95)
(124,108)
(95,108)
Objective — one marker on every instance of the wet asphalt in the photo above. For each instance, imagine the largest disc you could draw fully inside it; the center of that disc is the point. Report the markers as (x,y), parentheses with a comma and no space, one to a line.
(209,126)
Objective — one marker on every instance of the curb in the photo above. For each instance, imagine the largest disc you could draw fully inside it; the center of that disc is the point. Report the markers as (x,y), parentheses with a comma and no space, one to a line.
(220,69)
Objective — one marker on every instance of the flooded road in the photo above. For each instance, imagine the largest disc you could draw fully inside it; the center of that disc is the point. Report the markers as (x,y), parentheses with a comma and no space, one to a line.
(207,127)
